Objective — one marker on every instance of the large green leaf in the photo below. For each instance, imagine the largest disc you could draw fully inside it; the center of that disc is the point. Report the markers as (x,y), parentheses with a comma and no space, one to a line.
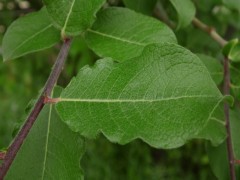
(185,10)
(29,33)
(143,6)
(165,97)
(73,16)
(220,166)
(122,34)
(51,151)
(214,67)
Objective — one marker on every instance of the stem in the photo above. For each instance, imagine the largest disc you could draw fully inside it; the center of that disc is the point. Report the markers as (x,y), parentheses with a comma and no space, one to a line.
(210,30)
(227,119)
(52,79)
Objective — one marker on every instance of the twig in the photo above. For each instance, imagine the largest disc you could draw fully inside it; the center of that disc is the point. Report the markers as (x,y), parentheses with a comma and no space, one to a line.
(18,141)
(227,119)
(210,30)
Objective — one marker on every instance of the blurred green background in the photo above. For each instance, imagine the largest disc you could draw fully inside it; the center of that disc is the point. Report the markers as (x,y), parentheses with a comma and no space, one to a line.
(22,79)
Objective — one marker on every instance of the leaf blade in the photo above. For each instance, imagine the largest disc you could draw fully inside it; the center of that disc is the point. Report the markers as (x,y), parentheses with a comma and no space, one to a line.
(39,35)
(126,32)
(185,10)
(132,100)
(74,16)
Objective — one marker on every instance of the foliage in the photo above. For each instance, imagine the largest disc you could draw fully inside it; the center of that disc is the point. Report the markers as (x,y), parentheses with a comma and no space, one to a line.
(148,86)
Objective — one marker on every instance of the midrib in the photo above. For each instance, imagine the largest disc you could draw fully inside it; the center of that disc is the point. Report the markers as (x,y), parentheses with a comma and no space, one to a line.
(116,38)
(131,100)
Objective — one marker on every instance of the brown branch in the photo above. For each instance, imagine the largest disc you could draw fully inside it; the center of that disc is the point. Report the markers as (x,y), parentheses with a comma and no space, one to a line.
(230,152)
(210,30)
(18,141)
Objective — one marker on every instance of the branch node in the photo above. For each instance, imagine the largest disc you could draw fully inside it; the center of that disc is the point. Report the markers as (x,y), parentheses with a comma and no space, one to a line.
(49,100)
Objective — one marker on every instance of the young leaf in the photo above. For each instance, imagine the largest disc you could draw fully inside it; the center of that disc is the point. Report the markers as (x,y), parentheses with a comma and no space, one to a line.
(122,34)
(73,17)
(185,10)
(51,151)
(218,155)
(232,50)
(214,67)
(165,97)
(143,6)
(29,33)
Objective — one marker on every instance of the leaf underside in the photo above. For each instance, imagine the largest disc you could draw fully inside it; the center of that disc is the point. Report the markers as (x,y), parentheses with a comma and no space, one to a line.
(164,97)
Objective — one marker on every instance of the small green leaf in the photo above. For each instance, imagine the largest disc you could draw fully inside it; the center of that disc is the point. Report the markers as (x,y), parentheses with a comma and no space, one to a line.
(232,50)
(214,67)
(73,17)
(235,53)
(218,155)
(165,97)
(227,48)
(185,10)
(142,6)
(51,150)
(30,33)
(122,34)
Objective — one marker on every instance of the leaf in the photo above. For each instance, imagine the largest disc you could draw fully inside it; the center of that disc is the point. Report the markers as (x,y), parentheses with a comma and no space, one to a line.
(232,50)
(73,17)
(235,80)
(142,6)
(51,150)
(185,10)
(218,155)
(233,4)
(30,33)
(214,67)
(164,97)
(215,130)
(122,34)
